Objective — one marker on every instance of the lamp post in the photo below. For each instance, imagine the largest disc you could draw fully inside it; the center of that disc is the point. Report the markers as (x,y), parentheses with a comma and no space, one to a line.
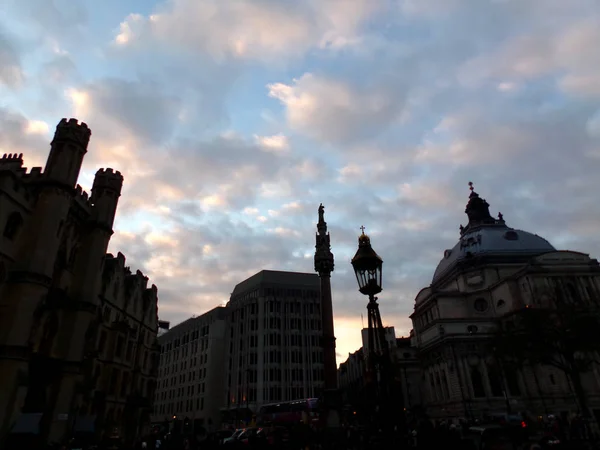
(367,266)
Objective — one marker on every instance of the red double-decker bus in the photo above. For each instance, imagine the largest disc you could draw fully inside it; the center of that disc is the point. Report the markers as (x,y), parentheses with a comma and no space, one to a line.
(289,413)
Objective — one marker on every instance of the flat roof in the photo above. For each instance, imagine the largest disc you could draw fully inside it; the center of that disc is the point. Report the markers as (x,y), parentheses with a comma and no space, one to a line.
(277,278)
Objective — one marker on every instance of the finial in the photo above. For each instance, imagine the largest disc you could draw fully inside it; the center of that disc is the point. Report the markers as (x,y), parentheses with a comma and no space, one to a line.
(471,188)
(362,228)
(500,217)
(461,228)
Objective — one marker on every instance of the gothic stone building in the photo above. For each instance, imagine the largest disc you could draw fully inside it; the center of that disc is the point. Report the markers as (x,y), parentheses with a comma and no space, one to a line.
(53,241)
(495,270)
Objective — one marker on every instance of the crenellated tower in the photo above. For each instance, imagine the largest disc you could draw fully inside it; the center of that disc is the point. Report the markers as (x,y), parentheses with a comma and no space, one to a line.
(106,191)
(67,150)
(324,265)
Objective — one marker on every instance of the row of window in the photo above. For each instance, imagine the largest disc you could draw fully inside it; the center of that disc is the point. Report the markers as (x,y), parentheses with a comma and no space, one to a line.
(277,375)
(277,292)
(277,357)
(182,391)
(182,406)
(273,394)
(168,355)
(275,306)
(183,365)
(182,378)
(188,337)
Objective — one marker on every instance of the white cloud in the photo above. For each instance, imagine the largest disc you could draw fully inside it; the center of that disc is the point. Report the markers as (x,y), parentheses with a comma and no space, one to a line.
(249,28)
(277,143)
(331,110)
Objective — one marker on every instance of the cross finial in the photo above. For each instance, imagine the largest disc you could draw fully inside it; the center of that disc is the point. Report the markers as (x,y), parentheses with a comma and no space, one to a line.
(362,229)
(471,186)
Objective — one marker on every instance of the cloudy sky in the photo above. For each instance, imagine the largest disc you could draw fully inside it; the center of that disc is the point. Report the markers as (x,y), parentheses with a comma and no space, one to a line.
(231,121)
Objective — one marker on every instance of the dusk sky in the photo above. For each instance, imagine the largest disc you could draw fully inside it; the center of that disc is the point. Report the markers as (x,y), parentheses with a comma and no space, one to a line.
(231,120)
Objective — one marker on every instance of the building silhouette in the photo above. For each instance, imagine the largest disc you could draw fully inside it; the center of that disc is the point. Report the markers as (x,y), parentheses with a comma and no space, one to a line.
(274,345)
(494,272)
(54,367)
(191,375)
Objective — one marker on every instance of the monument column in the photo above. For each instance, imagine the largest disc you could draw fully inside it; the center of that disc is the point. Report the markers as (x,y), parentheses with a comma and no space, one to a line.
(324,266)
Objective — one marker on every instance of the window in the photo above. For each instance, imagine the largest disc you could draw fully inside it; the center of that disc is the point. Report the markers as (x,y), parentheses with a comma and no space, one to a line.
(573,294)
(119,347)
(477,382)
(495,381)
(13,225)
(512,382)
(480,305)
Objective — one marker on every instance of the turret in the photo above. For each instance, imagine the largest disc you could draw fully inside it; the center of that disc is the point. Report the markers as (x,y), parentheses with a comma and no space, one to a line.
(106,191)
(67,150)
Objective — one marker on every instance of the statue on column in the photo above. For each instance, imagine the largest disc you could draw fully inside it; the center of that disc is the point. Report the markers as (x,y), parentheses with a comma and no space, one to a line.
(321,213)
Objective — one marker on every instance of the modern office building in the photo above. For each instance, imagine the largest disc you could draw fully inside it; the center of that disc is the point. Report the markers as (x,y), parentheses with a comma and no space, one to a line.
(274,340)
(191,373)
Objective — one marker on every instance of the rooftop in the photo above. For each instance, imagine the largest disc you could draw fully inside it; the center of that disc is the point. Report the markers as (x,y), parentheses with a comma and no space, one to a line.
(277,278)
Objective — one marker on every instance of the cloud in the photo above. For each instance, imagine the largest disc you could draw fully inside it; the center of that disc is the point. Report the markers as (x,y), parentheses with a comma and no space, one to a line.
(276,144)
(260,29)
(233,120)
(334,111)
(11,71)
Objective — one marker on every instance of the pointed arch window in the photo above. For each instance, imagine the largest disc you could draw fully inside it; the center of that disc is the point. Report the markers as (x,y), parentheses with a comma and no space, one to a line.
(13,225)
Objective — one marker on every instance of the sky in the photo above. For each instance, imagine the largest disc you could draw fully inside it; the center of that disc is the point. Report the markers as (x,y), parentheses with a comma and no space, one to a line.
(232,120)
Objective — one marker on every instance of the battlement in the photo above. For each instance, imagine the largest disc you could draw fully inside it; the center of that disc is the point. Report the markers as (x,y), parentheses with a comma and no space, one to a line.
(11,161)
(108,179)
(34,173)
(82,197)
(72,131)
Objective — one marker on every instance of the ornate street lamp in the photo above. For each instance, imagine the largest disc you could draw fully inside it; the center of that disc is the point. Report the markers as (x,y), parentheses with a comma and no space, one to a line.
(367,266)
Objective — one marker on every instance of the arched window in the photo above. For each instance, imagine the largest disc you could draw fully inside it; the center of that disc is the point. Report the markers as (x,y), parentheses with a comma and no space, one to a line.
(477,381)
(495,381)
(13,225)
(512,381)
(573,294)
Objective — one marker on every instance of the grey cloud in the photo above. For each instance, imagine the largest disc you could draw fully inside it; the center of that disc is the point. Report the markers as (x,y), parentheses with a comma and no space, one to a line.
(141,107)
(14,138)
(58,18)
(11,71)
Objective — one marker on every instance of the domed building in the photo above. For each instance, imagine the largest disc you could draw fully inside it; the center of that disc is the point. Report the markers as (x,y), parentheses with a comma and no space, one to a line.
(493,272)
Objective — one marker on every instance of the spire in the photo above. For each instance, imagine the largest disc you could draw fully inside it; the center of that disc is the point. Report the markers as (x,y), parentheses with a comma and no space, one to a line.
(478,210)
(323,256)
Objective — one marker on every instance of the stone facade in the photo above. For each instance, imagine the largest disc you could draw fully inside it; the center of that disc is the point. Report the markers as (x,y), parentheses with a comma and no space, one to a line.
(53,245)
(492,272)
(125,368)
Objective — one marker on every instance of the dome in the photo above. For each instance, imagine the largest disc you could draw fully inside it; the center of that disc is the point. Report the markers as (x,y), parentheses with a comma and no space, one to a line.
(485,235)
(498,240)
